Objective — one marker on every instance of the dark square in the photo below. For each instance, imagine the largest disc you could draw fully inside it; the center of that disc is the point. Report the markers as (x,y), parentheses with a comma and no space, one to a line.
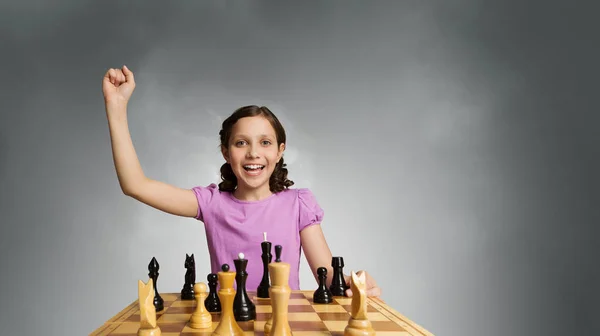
(134,318)
(262,302)
(308,326)
(171,326)
(180,310)
(263,316)
(246,325)
(297,296)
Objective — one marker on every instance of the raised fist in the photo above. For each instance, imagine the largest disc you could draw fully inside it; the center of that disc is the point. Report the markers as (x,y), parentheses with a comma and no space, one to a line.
(118,85)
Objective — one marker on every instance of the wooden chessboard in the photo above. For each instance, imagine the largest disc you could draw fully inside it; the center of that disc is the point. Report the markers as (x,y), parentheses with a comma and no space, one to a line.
(305,317)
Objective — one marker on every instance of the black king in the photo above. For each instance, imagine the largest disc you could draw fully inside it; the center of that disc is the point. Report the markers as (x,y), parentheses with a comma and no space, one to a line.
(243,308)
(263,289)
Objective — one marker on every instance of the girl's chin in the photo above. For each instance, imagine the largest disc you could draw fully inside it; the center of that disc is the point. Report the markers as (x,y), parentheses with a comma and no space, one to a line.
(253,185)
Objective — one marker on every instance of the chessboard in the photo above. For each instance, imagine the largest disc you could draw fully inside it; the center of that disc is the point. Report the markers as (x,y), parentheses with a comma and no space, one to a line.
(305,317)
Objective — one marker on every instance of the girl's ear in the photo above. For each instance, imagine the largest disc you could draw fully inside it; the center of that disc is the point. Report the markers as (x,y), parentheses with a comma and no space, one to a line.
(225,154)
(281,150)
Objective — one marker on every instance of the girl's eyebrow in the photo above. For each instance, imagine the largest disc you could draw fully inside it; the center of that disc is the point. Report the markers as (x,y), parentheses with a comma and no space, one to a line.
(260,136)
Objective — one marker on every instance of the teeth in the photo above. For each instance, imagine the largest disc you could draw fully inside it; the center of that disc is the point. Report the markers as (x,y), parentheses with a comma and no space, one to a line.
(253,166)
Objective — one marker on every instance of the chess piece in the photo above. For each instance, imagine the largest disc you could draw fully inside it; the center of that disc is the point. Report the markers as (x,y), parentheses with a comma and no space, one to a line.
(201,318)
(359,324)
(278,250)
(322,294)
(227,325)
(243,307)
(338,285)
(153,268)
(278,324)
(212,302)
(148,326)
(187,293)
(263,289)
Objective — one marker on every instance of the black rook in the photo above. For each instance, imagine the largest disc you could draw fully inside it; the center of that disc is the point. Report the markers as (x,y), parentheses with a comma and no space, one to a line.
(338,285)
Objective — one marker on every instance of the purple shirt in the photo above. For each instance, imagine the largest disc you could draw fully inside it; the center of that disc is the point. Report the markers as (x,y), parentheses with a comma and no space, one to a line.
(233,226)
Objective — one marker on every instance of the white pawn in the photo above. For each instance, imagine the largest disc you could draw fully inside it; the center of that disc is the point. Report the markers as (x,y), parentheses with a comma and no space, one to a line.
(201,318)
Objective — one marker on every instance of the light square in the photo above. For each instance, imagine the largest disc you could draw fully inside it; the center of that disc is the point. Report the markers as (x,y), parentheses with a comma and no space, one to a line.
(329,308)
(336,325)
(303,317)
(183,304)
(188,329)
(259,325)
(264,309)
(377,317)
(343,300)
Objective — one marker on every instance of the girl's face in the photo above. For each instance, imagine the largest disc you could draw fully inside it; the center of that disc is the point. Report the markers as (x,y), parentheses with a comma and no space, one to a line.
(253,153)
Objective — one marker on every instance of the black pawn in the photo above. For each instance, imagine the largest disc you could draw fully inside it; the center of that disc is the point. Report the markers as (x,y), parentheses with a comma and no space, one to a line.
(263,289)
(153,268)
(187,293)
(243,308)
(338,285)
(322,294)
(278,249)
(212,302)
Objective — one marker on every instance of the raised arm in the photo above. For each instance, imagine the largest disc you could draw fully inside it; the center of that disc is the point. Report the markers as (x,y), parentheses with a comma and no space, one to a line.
(117,86)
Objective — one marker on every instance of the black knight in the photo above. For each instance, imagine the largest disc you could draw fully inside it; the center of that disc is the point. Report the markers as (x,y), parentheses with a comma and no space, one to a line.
(187,293)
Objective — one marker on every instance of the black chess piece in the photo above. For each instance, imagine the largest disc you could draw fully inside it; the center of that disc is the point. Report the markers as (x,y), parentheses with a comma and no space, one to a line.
(153,268)
(322,294)
(338,285)
(187,293)
(263,289)
(278,249)
(212,301)
(243,307)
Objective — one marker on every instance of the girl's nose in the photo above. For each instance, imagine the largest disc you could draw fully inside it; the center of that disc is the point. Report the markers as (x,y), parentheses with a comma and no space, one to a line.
(252,153)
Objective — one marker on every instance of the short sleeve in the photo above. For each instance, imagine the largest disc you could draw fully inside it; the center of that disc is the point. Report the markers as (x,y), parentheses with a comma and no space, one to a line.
(310,211)
(204,196)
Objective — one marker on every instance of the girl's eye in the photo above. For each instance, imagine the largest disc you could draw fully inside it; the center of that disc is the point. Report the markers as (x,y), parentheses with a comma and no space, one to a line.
(240,143)
(266,142)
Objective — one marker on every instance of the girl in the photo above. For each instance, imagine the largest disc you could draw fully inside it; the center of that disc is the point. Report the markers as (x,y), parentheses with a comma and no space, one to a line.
(253,197)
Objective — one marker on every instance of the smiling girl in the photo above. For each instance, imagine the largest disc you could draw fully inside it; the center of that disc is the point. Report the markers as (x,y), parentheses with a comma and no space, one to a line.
(253,197)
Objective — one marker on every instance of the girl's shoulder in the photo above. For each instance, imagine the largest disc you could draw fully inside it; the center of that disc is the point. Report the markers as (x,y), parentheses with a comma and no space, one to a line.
(303,196)
(309,210)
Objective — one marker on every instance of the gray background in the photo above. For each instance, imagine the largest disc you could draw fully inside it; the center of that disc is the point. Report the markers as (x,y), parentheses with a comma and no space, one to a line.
(452,144)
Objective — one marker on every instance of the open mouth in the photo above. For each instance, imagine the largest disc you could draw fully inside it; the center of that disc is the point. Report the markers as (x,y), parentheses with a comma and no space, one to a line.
(254,167)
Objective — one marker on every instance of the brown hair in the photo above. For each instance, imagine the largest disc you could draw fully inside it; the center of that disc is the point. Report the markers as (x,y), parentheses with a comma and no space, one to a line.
(278,180)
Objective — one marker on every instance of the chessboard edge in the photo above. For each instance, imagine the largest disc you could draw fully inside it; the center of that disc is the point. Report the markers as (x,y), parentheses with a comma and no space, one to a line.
(418,328)
(115,319)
